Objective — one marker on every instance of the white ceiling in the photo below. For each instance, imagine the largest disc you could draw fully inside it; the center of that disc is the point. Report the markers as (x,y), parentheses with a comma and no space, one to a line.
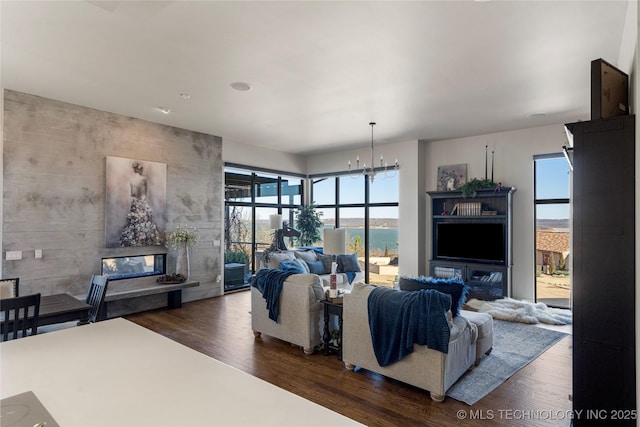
(321,71)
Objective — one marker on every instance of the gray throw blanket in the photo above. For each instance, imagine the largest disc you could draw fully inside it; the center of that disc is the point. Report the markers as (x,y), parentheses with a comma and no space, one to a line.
(400,319)
(269,283)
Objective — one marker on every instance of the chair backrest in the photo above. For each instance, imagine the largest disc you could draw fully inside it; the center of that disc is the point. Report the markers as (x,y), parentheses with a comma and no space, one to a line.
(9,288)
(19,314)
(95,296)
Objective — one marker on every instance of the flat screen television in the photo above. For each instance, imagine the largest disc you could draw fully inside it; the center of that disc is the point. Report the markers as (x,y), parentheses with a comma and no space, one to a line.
(468,241)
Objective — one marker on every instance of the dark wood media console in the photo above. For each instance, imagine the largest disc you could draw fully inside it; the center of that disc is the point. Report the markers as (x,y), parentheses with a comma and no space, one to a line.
(478,235)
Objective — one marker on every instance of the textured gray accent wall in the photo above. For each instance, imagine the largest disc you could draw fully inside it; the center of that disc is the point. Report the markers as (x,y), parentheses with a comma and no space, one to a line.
(53,198)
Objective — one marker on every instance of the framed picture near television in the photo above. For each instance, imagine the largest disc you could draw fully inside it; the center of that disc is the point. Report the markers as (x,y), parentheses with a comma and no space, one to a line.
(451,177)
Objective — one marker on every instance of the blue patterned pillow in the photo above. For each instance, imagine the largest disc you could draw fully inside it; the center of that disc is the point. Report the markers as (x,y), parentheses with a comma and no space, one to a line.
(454,287)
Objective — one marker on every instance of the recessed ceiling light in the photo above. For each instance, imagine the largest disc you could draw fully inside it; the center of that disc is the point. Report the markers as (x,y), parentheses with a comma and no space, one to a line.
(165,110)
(241,86)
(185,96)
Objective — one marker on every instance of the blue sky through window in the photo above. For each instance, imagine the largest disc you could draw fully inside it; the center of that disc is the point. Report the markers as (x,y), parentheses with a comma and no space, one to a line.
(552,182)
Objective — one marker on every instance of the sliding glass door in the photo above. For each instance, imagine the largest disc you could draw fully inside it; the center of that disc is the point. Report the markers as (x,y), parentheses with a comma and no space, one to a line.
(251,197)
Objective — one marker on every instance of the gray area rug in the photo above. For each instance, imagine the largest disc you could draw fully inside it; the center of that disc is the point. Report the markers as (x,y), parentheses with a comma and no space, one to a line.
(515,345)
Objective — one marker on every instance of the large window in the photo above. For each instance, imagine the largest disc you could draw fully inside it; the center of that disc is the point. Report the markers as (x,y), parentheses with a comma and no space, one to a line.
(552,213)
(369,213)
(250,198)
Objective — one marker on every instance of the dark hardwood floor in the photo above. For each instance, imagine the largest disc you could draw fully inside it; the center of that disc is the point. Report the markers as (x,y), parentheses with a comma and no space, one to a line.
(537,395)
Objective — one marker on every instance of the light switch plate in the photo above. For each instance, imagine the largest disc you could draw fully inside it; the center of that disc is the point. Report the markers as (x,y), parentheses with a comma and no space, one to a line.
(13,255)
(38,253)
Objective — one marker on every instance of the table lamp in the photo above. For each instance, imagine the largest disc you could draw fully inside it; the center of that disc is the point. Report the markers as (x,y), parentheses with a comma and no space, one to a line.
(335,241)
(275,221)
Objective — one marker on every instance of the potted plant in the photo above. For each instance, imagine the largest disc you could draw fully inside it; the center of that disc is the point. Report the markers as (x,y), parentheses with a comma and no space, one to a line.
(335,337)
(471,187)
(308,223)
(181,239)
(238,257)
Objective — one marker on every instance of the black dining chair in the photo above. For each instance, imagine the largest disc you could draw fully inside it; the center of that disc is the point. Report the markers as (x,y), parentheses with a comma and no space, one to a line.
(9,288)
(95,297)
(19,314)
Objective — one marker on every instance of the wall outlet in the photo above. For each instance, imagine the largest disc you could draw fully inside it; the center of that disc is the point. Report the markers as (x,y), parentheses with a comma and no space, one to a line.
(13,255)
(38,253)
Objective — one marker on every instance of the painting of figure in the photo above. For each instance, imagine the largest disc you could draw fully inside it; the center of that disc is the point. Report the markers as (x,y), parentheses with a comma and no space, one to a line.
(451,177)
(135,201)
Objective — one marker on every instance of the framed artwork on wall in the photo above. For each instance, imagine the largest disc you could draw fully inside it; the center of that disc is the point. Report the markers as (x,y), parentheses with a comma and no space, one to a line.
(451,177)
(135,202)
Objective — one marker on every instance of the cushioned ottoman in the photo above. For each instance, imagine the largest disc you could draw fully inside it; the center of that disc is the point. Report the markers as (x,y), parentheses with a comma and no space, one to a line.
(484,322)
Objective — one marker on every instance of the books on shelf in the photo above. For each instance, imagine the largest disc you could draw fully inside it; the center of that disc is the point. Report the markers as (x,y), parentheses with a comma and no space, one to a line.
(447,272)
(467,209)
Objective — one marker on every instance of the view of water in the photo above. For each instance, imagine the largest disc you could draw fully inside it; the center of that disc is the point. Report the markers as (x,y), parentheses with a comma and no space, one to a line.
(380,237)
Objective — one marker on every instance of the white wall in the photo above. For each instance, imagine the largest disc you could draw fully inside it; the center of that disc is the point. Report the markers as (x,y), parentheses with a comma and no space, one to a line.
(413,216)
(513,166)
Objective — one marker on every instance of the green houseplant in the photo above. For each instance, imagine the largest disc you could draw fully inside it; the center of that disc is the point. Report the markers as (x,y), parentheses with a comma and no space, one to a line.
(335,337)
(471,187)
(239,257)
(308,223)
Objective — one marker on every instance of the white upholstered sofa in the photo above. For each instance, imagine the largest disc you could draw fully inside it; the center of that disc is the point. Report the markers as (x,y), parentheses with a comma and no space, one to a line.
(425,368)
(301,319)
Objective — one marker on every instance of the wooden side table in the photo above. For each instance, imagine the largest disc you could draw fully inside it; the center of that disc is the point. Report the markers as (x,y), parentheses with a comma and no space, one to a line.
(332,308)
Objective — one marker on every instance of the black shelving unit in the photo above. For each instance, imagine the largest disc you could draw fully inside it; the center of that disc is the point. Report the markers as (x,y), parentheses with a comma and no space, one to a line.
(604,372)
(488,279)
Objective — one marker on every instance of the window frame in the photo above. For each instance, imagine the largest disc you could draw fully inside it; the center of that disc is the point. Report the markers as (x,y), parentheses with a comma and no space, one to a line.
(366,205)
(254,173)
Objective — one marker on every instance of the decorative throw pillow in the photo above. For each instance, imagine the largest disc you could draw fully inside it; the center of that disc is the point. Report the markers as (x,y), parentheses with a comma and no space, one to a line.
(316,267)
(454,287)
(292,265)
(326,261)
(275,258)
(303,265)
(347,263)
(307,256)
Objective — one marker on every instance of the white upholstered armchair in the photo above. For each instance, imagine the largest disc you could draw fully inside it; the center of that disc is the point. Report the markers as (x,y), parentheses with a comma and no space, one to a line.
(300,319)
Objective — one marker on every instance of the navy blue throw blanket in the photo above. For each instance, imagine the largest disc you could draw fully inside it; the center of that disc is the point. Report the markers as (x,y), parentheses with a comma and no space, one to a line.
(400,319)
(269,283)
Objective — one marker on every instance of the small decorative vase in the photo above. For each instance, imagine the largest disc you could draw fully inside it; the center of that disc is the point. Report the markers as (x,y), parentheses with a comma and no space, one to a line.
(182,262)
